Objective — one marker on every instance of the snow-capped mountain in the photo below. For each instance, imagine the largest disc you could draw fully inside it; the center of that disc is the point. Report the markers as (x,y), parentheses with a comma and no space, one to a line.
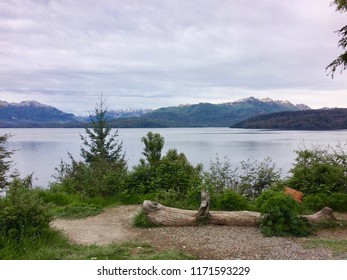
(31,112)
(283,103)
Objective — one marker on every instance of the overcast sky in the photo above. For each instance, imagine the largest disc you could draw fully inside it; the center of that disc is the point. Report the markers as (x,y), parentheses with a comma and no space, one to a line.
(156,53)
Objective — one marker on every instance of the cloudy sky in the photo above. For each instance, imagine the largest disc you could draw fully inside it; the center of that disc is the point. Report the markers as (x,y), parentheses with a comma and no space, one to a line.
(155,53)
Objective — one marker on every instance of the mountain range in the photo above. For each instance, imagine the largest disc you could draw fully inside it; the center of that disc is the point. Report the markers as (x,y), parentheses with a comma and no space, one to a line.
(209,115)
(35,114)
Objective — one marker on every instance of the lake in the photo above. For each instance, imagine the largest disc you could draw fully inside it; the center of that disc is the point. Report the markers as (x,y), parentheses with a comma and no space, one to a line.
(40,150)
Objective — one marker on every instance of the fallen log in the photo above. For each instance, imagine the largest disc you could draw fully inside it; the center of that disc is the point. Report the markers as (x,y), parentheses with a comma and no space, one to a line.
(159,214)
(324,215)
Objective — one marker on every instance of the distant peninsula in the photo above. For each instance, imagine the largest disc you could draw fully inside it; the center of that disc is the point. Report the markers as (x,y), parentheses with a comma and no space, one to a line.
(320,119)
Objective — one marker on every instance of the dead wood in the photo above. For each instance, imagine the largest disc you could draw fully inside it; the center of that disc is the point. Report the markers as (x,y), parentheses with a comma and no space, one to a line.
(159,214)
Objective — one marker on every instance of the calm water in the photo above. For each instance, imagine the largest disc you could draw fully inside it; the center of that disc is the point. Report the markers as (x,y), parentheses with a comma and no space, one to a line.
(40,150)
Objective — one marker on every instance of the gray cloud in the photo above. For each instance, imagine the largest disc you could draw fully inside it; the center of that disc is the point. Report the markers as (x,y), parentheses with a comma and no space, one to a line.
(161,53)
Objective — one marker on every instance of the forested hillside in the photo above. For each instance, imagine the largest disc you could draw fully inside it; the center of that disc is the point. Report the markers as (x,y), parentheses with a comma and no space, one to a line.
(322,119)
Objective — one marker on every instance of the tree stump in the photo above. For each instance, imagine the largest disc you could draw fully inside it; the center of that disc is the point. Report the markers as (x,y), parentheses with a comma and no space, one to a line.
(324,215)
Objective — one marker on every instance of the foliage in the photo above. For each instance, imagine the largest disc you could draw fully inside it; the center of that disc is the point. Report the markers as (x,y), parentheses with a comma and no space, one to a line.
(104,170)
(5,161)
(320,170)
(221,175)
(341,60)
(315,202)
(258,177)
(100,178)
(229,200)
(250,180)
(154,144)
(280,217)
(265,196)
(177,173)
(99,144)
(22,214)
(336,201)
(171,175)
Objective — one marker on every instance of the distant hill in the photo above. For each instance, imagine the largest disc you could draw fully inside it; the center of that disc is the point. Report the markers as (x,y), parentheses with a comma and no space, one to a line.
(32,113)
(35,114)
(207,114)
(322,119)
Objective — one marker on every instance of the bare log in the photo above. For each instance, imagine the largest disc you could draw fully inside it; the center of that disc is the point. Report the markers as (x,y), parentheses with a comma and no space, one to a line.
(167,216)
(234,218)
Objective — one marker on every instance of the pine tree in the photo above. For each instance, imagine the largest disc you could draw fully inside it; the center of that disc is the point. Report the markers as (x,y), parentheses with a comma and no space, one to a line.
(100,144)
(5,162)
(341,60)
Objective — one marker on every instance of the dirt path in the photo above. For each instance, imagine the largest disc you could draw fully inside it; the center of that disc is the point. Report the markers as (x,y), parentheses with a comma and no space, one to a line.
(205,242)
(113,225)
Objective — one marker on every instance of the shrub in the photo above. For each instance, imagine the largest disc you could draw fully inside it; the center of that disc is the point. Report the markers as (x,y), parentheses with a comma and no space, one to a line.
(173,172)
(22,214)
(338,202)
(250,180)
(320,170)
(257,177)
(222,175)
(259,202)
(229,200)
(280,217)
(315,202)
(100,178)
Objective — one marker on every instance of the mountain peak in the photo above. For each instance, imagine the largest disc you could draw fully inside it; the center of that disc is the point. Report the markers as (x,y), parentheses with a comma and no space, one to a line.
(30,112)
(30,103)
(266,99)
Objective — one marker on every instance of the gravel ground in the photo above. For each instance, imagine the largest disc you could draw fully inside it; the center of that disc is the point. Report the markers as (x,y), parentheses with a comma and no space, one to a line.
(205,242)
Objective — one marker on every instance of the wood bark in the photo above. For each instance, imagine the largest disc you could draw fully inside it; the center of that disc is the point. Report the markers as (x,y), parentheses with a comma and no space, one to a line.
(167,216)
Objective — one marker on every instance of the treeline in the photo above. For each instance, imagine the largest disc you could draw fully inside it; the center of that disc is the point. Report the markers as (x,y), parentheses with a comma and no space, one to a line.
(322,119)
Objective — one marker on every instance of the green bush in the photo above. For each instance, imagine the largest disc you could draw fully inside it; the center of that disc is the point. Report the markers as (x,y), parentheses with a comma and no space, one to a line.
(315,202)
(259,202)
(100,178)
(229,200)
(338,202)
(280,217)
(320,170)
(22,214)
(173,172)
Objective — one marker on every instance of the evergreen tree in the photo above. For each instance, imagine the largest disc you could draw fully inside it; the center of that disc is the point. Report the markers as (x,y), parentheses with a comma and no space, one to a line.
(341,60)
(100,144)
(5,162)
